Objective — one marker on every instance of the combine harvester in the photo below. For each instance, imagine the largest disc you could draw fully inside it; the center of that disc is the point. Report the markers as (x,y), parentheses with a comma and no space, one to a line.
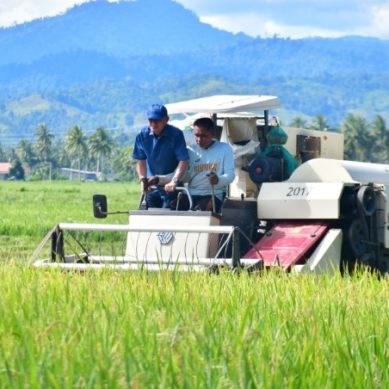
(295,204)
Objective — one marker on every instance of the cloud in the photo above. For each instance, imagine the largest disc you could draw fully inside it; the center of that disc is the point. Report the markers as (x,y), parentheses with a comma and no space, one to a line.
(265,18)
(12,12)
(295,18)
(258,26)
(380,19)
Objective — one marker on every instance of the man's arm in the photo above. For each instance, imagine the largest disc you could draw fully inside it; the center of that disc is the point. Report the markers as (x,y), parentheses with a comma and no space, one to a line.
(228,169)
(180,171)
(141,168)
(177,177)
(163,179)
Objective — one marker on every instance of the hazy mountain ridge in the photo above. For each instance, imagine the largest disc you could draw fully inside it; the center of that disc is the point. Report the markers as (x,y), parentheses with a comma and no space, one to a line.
(104,62)
(140,27)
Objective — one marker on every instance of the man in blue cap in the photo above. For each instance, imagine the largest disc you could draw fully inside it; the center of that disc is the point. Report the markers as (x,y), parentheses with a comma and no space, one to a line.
(160,149)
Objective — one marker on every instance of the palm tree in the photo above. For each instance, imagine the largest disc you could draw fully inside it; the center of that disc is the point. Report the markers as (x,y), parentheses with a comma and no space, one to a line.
(298,122)
(25,152)
(75,145)
(123,165)
(380,153)
(43,145)
(2,154)
(320,123)
(61,156)
(356,137)
(100,146)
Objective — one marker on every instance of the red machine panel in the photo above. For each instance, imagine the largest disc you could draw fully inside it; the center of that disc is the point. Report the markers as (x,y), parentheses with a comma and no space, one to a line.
(286,244)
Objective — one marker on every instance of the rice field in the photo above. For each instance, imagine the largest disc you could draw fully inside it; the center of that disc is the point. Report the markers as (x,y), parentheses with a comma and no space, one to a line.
(141,330)
(29,209)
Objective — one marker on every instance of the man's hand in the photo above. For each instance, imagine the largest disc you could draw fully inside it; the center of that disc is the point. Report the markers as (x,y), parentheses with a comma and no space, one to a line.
(143,184)
(153,180)
(171,186)
(213,178)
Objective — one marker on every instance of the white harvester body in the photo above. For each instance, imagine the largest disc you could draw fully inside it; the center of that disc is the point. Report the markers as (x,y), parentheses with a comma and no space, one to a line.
(190,241)
(294,204)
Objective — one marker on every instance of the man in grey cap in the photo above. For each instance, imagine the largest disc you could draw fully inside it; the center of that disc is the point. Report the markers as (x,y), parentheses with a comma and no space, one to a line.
(160,149)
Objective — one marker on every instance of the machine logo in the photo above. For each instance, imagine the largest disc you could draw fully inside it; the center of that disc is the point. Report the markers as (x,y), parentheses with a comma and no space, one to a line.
(165,237)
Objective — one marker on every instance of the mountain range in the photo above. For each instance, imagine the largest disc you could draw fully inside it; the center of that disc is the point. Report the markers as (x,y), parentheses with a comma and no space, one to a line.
(101,64)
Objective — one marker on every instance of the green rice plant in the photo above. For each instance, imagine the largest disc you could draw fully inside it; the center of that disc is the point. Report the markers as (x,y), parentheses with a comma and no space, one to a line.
(103,329)
(170,329)
(29,209)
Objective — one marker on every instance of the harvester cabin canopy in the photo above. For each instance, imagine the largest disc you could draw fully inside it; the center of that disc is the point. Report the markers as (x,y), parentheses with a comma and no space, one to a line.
(240,120)
(220,104)
(225,106)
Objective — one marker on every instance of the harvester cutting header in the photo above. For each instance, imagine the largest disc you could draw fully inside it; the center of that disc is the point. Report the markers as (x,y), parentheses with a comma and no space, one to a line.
(294,204)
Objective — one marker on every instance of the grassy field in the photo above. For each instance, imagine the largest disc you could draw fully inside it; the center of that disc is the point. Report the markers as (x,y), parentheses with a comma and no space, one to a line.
(29,209)
(104,329)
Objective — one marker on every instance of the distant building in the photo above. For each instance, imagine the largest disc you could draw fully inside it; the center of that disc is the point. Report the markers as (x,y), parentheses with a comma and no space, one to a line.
(84,175)
(5,167)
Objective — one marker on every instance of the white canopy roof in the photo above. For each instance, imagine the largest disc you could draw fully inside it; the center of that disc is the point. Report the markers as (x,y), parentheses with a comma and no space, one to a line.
(225,103)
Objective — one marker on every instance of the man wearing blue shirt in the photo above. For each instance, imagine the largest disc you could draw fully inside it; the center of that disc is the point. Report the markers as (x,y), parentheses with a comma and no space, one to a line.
(160,149)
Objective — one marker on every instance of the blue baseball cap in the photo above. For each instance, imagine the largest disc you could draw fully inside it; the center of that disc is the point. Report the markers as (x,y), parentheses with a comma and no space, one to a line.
(156,112)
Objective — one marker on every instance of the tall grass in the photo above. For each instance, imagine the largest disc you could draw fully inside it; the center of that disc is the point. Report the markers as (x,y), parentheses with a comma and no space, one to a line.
(188,330)
(29,209)
(140,330)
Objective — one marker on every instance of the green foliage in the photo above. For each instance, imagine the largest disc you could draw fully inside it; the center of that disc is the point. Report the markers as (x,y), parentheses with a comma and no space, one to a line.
(2,153)
(298,122)
(100,146)
(25,152)
(17,171)
(124,165)
(43,145)
(76,145)
(163,330)
(364,141)
(29,209)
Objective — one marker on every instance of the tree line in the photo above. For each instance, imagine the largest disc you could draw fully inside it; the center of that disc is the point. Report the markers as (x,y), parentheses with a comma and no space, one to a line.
(363,141)
(44,157)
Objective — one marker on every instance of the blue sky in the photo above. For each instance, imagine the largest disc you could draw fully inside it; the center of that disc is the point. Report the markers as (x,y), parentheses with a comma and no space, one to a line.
(265,18)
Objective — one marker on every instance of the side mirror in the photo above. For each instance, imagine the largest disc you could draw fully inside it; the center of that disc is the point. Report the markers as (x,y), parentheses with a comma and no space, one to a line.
(100,207)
